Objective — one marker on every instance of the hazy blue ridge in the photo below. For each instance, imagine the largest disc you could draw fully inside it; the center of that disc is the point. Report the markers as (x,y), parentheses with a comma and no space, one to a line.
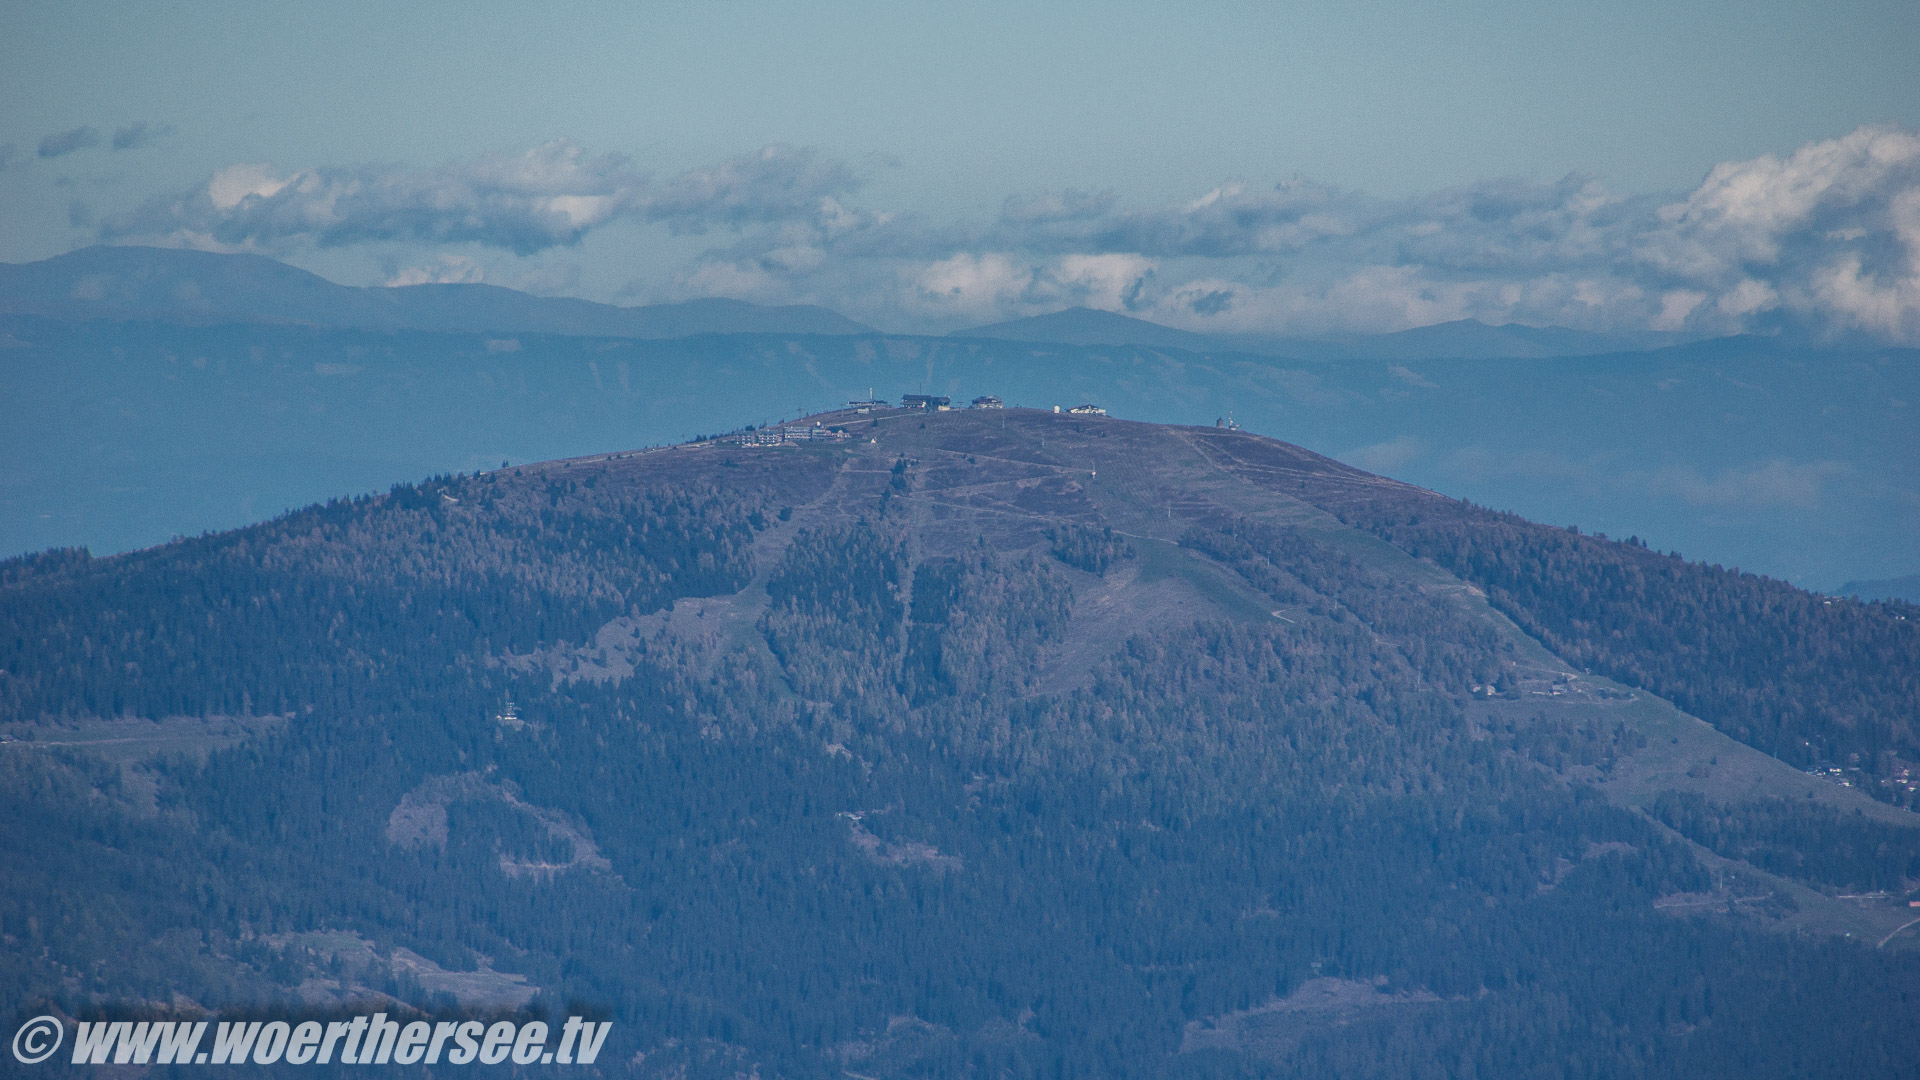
(180,285)
(121,434)
(174,285)
(1460,339)
(1900,588)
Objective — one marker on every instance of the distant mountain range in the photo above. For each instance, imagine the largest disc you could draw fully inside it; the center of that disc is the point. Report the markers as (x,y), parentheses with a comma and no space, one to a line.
(1464,339)
(172,285)
(201,287)
(1089,326)
(1900,588)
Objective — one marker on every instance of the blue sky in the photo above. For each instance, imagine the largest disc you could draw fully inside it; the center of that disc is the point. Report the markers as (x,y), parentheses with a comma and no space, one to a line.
(1234,167)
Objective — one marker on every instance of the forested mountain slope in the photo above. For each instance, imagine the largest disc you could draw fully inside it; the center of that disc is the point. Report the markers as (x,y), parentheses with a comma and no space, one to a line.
(1814,680)
(987,743)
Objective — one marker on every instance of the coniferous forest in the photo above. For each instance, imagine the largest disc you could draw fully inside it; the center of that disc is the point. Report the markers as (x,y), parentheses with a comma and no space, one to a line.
(978,744)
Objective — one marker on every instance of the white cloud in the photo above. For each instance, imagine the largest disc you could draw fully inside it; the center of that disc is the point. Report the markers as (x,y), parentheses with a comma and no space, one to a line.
(1827,236)
(1053,206)
(549,196)
(982,287)
(774,183)
(444,270)
(979,286)
(1675,306)
(1382,298)
(1109,281)
(236,183)
(1747,210)
(1830,233)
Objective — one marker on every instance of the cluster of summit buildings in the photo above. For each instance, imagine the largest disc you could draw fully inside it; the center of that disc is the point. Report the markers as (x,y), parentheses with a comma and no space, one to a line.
(819,431)
(926,402)
(942,403)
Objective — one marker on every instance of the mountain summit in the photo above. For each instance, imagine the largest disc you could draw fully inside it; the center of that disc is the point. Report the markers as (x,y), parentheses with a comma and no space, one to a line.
(989,742)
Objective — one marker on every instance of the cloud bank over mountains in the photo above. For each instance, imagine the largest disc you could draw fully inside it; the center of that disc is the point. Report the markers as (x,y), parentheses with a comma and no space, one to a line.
(1827,237)
(550,196)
